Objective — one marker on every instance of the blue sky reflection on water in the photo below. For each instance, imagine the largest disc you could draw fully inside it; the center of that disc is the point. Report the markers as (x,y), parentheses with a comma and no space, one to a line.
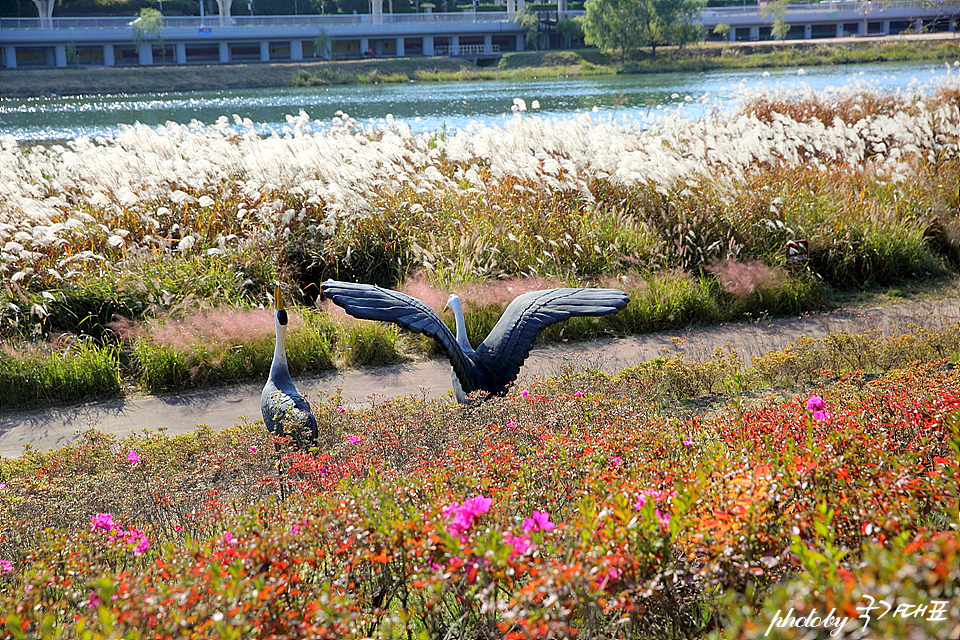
(433,106)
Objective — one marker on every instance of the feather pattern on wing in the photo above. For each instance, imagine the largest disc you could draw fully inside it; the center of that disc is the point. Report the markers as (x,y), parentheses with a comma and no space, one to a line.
(370,302)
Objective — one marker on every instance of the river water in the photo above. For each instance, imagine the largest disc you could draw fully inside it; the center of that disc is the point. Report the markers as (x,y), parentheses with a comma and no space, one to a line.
(451,105)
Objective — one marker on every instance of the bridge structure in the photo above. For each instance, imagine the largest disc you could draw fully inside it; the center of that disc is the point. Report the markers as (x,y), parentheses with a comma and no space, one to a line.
(110,41)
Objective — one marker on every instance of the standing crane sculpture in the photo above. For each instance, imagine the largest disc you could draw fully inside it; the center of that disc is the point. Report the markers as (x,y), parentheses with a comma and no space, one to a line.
(497,361)
(285,412)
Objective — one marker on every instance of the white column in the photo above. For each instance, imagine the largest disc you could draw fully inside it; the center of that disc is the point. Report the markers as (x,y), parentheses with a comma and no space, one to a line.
(364,45)
(296,49)
(145,54)
(839,33)
(60,53)
(428,45)
(519,42)
(10,56)
(732,34)
(109,59)
(378,48)
(488,44)
(180,52)
(224,52)
(807,31)
(454,45)
(401,48)
(886,27)
(754,33)
(49,58)
(264,51)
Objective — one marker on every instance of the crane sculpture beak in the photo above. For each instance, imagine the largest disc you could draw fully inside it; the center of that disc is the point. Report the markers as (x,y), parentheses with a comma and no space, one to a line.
(277,298)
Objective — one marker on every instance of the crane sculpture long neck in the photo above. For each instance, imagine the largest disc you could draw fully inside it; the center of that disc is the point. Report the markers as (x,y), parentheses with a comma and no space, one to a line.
(279,366)
(454,303)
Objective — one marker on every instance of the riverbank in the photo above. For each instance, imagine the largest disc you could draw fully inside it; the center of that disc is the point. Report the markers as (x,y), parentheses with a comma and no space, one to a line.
(27,83)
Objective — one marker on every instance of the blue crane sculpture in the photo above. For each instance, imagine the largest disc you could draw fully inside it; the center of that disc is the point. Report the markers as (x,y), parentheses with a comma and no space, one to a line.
(497,360)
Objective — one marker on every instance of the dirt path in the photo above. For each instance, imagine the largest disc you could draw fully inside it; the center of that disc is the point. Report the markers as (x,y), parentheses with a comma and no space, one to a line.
(218,408)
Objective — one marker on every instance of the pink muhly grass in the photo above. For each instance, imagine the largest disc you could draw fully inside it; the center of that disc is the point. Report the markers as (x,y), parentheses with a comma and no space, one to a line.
(495,293)
(743,278)
(216,326)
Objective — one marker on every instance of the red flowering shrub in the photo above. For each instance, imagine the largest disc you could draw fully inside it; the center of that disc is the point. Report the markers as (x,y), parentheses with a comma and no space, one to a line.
(577,509)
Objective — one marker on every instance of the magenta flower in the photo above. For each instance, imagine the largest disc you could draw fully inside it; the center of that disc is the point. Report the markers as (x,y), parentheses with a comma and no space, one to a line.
(136,537)
(253,448)
(340,409)
(687,443)
(538,521)
(519,544)
(655,496)
(613,574)
(354,439)
(511,426)
(615,461)
(462,516)
(228,539)
(133,457)
(525,393)
(817,408)
(579,394)
(102,521)
(2,486)
(6,566)
(95,601)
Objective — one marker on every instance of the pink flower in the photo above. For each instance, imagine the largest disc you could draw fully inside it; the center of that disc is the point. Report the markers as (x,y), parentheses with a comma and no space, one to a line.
(253,448)
(294,529)
(6,566)
(579,394)
(655,496)
(613,574)
(177,527)
(538,521)
(687,443)
(354,439)
(818,408)
(519,544)
(525,393)
(228,539)
(2,486)
(615,461)
(511,426)
(133,457)
(340,409)
(102,521)
(95,601)
(136,537)
(462,516)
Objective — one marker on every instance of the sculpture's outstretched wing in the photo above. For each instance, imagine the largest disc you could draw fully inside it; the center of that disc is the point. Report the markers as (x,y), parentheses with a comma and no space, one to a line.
(370,302)
(502,353)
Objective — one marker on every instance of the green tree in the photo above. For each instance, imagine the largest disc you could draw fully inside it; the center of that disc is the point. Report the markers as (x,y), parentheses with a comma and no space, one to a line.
(148,26)
(626,25)
(531,23)
(777,9)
